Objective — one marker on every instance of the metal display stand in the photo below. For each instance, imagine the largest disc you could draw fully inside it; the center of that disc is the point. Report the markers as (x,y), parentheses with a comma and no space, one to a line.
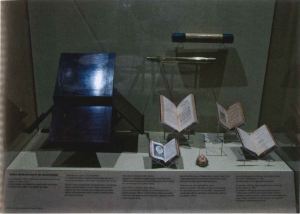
(160,164)
(248,157)
(162,72)
(220,139)
(180,136)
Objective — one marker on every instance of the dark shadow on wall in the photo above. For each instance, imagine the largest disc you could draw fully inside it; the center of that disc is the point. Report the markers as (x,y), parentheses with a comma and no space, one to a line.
(280,108)
(14,123)
(281,87)
(226,71)
(19,99)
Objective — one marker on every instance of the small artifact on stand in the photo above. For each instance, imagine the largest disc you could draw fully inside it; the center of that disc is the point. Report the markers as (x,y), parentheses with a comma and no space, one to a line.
(164,154)
(202,161)
(178,117)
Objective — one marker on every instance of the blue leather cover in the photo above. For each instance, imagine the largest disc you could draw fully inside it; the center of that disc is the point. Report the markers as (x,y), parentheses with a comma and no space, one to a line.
(83,111)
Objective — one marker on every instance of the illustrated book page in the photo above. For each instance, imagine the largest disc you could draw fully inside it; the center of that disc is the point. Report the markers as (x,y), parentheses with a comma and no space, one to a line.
(232,117)
(164,152)
(259,142)
(186,111)
(168,112)
(178,117)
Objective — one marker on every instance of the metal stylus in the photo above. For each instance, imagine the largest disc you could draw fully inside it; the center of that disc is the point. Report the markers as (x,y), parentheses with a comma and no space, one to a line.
(182,59)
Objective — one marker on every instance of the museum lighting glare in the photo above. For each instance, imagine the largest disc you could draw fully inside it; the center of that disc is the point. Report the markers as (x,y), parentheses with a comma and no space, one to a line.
(98,80)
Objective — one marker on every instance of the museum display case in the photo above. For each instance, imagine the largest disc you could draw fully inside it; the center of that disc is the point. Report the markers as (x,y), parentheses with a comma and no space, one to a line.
(152,106)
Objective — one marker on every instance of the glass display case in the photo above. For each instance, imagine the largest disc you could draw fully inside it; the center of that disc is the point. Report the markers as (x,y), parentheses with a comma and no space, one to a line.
(221,52)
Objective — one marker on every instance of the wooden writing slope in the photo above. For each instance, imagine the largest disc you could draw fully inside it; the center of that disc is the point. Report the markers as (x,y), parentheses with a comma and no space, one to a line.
(85,106)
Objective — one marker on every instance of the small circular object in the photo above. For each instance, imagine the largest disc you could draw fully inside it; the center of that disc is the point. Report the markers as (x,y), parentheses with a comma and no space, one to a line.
(202,161)
(159,150)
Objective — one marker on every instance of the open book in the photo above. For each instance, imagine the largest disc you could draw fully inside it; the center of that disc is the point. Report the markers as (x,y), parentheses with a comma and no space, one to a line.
(259,142)
(178,117)
(232,117)
(164,152)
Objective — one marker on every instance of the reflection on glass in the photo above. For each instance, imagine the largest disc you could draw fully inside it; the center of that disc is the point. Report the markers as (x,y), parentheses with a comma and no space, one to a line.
(97,80)
(86,74)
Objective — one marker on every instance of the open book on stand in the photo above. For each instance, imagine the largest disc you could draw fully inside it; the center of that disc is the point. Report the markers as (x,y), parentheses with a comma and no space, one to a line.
(178,117)
(260,142)
(232,117)
(164,152)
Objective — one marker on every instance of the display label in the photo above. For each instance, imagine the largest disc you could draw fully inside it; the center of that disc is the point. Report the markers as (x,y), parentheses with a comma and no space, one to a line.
(172,191)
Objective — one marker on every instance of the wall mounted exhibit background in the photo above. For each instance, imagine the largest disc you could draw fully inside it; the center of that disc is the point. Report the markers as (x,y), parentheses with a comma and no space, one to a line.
(137,29)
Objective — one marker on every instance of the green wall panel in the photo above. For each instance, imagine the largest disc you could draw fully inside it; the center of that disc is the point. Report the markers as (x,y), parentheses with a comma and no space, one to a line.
(137,29)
